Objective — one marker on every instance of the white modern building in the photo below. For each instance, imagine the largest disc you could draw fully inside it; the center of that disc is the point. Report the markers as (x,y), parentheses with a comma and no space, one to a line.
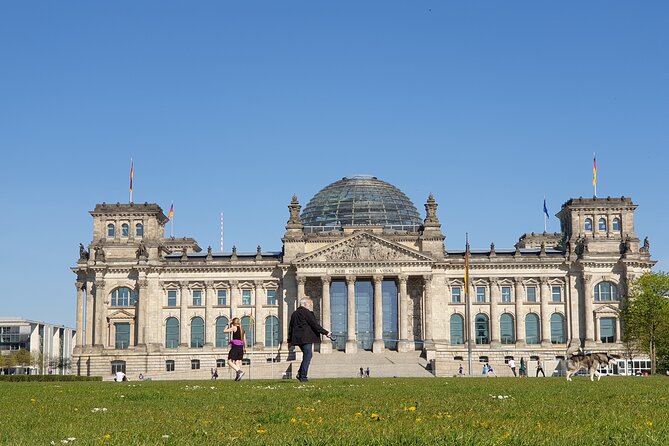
(50,345)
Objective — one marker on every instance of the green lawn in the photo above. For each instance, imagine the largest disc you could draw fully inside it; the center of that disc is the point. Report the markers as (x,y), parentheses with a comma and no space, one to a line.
(476,411)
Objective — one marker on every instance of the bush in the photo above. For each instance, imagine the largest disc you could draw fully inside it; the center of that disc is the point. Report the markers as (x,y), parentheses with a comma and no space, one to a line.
(44,378)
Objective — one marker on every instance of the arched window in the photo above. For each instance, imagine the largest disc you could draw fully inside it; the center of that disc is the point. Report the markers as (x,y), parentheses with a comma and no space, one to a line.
(607,330)
(588,225)
(532,329)
(271,331)
(606,292)
(197,332)
(123,297)
(248,330)
(125,230)
(111,230)
(172,332)
(615,225)
(457,330)
(139,230)
(482,329)
(506,329)
(602,224)
(557,329)
(222,338)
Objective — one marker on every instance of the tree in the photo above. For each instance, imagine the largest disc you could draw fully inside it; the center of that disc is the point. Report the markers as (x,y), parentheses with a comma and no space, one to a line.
(646,315)
(23,357)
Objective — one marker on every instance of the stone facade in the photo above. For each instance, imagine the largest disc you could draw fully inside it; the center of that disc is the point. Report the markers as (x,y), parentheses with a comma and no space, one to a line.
(551,294)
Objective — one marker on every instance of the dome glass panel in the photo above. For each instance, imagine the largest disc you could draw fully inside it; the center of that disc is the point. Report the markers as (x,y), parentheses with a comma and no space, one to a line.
(360,200)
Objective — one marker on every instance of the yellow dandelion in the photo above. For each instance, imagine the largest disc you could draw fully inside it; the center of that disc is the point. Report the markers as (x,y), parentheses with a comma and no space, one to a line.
(358,414)
(419,420)
(649,423)
(412,409)
(260,431)
(32,400)
(293,420)
(375,416)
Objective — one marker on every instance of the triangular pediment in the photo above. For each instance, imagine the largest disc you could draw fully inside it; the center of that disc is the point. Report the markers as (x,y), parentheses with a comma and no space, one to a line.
(364,247)
(606,310)
(121,314)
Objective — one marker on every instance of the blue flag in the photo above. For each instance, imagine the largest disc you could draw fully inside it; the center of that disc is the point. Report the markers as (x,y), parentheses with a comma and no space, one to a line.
(546,209)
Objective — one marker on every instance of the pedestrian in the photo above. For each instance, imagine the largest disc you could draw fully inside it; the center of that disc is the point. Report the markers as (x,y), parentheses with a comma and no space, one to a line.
(367,372)
(512,365)
(540,368)
(141,377)
(491,372)
(485,369)
(214,373)
(237,347)
(120,376)
(362,372)
(461,371)
(303,332)
(523,370)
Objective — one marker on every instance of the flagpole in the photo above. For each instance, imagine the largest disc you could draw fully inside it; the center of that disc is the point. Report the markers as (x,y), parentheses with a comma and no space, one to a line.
(594,172)
(467,304)
(544,213)
(132,174)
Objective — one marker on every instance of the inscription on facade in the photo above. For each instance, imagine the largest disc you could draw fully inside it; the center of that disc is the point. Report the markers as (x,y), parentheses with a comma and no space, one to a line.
(362,271)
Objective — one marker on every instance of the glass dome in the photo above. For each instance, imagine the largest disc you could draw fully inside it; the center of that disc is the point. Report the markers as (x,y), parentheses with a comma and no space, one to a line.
(360,200)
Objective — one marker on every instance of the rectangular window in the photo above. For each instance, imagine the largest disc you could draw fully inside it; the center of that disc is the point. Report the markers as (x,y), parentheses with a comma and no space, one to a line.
(220,363)
(246,297)
(172,298)
(197,298)
(531,294)
(195,364)
(455,295)
(222,297)
(122,335)
(169,365)
(556,293)
(480,294)
(271,297)
(607,330)
(506,294)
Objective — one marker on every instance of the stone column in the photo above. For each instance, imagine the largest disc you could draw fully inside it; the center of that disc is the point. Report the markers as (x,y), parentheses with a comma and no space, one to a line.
(403,344)
(209,320)
(258,320)
(545,313)
(142,325)
(90,314)
(573,318)
(79,339)
(494,314)
(351,343)
(618,338)
(520,315)
(183,314)
(427,296)
(301,281)
(589,312)
(326,345)
(234,298)
(377,346)
(100,313)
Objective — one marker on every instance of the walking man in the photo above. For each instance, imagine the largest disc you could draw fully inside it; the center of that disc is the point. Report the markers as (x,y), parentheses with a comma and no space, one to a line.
(512,365)
(303,332)
(540,368)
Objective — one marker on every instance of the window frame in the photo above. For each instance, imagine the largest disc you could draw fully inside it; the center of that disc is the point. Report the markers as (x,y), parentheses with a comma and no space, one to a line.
(111,230)
(506,300)
(553,293)
(225,297)
(170,365)
(271,298)
(196,292)
(588,224)
(169,301)
(456,297)
(608,339)
(194,336)
(534,293)
(247,292)
(481,292)
(126,326)
(602,224)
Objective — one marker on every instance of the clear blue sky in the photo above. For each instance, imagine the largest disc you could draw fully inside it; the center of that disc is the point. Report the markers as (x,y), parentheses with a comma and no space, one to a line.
(236,106)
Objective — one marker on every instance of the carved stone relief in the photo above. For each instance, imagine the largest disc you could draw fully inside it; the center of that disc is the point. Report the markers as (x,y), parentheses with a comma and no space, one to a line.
(363,249)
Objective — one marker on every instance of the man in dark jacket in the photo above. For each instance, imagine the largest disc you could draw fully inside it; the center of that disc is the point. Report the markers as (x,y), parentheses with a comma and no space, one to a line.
(304,331)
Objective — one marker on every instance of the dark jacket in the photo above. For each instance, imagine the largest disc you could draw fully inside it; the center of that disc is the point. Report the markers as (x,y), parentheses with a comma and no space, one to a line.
(303,328)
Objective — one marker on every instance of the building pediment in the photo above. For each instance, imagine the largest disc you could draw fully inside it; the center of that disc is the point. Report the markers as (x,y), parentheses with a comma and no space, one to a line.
(364,247)
(121,314)
(606,310)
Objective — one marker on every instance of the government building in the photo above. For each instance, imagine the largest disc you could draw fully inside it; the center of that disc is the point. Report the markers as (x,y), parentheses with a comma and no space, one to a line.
(381,277)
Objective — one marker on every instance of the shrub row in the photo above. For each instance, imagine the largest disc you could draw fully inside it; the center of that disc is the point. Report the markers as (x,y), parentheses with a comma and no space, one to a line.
(44,378)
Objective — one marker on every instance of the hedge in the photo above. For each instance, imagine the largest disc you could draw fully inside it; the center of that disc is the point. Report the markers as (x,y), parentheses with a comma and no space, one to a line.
(38,378)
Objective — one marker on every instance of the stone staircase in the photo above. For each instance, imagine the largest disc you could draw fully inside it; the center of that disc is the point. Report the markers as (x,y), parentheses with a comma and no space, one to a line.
(337,364)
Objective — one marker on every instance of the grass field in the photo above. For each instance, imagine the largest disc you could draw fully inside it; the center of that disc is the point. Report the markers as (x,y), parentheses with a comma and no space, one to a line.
(476,411)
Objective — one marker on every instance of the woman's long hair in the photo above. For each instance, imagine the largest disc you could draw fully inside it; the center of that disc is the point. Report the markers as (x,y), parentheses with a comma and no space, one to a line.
(238,324)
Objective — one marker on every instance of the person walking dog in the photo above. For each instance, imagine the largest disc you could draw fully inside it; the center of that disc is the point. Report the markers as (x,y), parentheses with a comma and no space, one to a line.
(303,332)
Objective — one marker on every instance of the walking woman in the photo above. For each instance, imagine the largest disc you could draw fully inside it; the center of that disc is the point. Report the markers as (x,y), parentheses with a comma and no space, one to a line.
(237,347)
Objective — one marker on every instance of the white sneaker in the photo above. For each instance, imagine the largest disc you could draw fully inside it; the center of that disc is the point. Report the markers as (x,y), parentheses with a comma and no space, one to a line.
(240,374)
